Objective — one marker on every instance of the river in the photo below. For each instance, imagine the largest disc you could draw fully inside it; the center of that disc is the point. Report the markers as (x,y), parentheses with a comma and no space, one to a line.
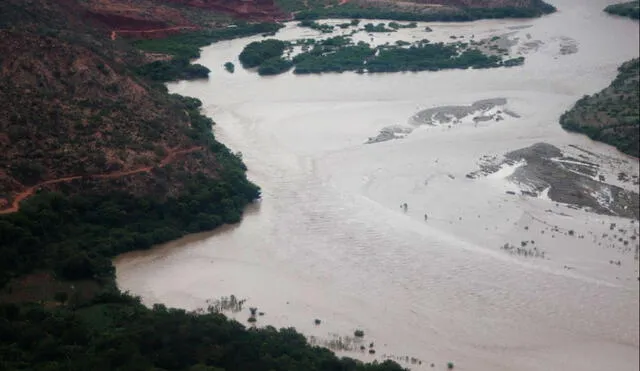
(330,240)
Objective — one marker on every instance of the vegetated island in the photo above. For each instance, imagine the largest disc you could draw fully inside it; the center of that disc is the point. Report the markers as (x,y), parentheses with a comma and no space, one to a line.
(340,53)
(630,9)
(97,160)
(414,10)
(611,115)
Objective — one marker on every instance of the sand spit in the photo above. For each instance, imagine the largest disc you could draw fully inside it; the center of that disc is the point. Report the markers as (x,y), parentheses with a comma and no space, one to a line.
(391,132)
(485,110)
(455,114)
(547,170)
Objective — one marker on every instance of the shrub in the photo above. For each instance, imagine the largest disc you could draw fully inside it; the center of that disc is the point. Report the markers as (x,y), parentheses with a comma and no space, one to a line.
(257,52)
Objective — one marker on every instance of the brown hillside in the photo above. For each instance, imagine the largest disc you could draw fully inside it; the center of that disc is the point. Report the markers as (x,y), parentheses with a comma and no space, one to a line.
(73,109)
(158,14)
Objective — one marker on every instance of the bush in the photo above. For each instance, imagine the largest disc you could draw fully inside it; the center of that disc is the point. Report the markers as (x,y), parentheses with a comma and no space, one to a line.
(172,70)
(274,66)
(258,52)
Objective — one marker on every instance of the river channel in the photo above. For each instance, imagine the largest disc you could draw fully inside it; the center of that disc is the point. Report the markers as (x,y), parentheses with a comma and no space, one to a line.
(332,240)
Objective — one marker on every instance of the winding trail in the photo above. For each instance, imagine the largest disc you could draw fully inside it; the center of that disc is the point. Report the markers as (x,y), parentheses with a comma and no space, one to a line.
(114,33)
(171,156)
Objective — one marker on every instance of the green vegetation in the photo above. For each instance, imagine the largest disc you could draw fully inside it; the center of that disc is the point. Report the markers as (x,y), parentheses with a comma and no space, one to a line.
(328,58)
(76,236)
(274,66)
(324,28)
(396,25)
(116,332)
(267,56)
(258,52)
(185,47)
(230,67)
(611,115)
(174,69)
(630,9)
(339,54)
(380,27)
(430,57)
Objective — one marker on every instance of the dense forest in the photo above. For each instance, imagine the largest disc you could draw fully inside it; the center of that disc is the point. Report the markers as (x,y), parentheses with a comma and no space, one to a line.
(630,9)
(116,332)
(611,115)
(76,236)
(339,54)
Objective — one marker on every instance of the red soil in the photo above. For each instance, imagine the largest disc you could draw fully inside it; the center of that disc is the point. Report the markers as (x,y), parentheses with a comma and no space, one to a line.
(171,156)
(259,10)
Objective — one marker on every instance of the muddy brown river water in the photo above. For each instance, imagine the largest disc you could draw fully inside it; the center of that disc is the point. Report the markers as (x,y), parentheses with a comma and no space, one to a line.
(330,241)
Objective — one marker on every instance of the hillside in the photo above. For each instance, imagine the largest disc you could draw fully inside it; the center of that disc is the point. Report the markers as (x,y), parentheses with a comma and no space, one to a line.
(629,9)
(417,10)
(103,151)
(611,115)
